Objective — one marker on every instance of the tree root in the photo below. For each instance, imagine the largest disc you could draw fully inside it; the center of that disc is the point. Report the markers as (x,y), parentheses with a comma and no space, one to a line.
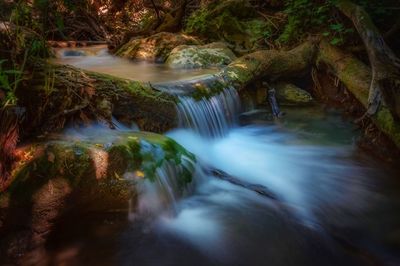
(356,76)
(385,80)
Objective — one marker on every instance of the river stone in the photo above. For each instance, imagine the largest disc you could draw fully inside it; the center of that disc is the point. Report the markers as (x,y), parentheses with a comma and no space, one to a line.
(85,175)
(289,94)
(155,48)
(192,56)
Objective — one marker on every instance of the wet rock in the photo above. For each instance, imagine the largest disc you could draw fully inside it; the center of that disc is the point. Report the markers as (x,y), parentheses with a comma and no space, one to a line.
(192,56)
(289,94)
(84,176)
(155,48)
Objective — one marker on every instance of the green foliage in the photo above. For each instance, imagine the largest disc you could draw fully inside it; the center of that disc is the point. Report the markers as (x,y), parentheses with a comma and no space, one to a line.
(313,15)
(22,44)
(303,15)
(9,79)
(198,22)
(232,21)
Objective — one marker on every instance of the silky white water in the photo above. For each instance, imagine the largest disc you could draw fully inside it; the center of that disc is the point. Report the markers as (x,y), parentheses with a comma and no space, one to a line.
(322,194)
(307,180)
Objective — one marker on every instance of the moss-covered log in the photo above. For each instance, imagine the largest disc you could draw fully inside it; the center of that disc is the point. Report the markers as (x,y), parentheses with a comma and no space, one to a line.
(356,76)
(57,94)
(385,80)
(265,64)
(271,64)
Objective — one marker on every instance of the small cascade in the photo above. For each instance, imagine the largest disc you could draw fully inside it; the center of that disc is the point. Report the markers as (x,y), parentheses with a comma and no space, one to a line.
(161,194)
(210,117)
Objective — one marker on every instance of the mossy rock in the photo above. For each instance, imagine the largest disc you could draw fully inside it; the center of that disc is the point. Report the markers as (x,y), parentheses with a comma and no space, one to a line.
(85,164)
(289,94)
(193,56)
(82,176)
(155,48)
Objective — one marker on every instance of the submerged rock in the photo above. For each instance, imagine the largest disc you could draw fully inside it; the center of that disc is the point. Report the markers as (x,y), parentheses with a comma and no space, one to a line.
(81,176)
(193,56)
(289,94)
(155,48)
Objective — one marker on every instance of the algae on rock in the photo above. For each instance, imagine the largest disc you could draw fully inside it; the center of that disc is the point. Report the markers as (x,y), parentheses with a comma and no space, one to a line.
(83,176)
(289,94)
(155,48)
(195,56)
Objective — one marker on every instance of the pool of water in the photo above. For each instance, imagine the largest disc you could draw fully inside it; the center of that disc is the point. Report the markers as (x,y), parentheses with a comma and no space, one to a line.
(97,58)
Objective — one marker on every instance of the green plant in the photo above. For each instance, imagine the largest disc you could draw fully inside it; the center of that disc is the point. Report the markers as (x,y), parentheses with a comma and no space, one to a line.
(9,79)
(337,33)
(198,22)
(303,15)
(314,16)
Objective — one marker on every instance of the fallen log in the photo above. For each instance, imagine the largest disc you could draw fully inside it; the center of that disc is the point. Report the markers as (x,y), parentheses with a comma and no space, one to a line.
(271,64)
(356,76)
(58,94)
(385,80)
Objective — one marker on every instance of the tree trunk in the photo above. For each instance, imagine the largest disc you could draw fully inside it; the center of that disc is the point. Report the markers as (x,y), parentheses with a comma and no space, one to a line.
(172,20)
(385,65)
(272,64)
(356,76)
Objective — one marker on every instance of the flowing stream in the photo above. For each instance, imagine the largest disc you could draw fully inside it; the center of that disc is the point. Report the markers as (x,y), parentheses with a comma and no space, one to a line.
(326,203)
(97,58)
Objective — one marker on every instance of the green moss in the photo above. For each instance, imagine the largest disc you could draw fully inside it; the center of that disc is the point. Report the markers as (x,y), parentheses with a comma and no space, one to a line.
(137,89)
(78,164)
(147,152)
(288,94)
(156,47)
(195,56)
(206,91)
(388,125)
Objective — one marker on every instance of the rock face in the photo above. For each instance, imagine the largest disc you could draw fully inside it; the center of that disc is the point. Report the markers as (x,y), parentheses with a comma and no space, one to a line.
(192,56)
(82,176)
(289,94)
(155,48)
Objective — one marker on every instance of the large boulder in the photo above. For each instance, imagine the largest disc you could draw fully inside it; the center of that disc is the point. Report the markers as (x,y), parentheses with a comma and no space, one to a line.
(155,48)
(196,56)
(81,175)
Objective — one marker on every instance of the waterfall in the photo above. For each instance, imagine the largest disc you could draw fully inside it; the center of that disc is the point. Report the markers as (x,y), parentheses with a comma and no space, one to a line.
(161,194)
(210,117)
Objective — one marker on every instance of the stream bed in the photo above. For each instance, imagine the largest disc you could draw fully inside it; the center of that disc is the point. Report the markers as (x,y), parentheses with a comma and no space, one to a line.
(331,205)
(328,203)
